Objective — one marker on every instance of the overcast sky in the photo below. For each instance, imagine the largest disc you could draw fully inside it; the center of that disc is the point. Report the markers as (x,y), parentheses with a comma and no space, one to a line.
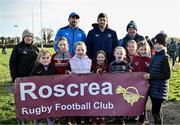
(151,16)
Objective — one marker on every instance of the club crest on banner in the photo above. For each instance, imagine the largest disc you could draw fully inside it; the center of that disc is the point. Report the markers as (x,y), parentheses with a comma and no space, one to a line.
(128,94)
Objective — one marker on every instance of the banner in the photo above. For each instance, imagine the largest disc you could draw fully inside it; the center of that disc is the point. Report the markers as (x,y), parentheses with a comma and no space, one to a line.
(118,94)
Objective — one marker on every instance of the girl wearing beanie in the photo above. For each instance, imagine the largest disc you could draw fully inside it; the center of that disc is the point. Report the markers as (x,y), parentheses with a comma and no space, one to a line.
(159,73)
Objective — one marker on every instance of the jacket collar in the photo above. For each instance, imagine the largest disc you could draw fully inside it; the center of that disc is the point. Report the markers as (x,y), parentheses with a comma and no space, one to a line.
(74,28)
(96,27)
(128,36)
(161,52)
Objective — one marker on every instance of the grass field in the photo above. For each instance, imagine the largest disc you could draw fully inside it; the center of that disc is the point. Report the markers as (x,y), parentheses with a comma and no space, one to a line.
(7,106)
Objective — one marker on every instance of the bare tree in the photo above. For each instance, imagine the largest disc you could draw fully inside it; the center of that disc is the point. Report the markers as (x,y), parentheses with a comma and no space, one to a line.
(46,35)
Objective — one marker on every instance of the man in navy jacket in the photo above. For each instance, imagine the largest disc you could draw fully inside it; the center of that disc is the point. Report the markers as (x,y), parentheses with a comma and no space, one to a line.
(131,34)
(72,32)
(101,37)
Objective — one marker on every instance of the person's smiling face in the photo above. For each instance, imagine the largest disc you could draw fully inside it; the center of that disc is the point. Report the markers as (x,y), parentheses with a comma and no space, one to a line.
(158,47)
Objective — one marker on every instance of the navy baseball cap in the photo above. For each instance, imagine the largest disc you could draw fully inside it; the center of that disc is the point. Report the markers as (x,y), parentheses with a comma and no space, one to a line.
(74,15)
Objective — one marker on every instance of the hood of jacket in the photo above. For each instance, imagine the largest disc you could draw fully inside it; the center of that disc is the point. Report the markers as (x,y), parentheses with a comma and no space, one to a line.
(95,26)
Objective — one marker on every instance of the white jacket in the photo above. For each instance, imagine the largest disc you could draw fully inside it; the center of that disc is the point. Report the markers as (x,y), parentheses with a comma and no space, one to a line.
(80,65)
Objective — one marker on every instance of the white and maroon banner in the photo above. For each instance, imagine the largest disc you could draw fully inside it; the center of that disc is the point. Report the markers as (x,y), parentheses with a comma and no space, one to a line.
(119,94)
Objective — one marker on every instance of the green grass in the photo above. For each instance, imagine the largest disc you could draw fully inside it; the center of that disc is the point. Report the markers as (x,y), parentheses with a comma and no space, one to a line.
(174,88)
(7,106)
(4,67)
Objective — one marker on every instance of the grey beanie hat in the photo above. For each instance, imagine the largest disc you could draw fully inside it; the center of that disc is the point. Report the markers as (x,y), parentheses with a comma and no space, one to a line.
(27,32)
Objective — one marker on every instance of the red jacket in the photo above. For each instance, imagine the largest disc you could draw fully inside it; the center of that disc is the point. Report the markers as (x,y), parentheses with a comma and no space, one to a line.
(61,61)
(102,68)
(140,64)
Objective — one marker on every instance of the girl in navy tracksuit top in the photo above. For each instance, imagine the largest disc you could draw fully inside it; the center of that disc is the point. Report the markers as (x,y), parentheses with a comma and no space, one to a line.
(159,73)
(43,67)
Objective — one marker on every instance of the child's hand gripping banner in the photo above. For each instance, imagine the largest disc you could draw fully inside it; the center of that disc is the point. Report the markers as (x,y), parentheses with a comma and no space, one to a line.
(119,94)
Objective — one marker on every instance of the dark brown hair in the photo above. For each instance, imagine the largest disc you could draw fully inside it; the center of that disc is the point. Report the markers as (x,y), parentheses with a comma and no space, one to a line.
(100,52)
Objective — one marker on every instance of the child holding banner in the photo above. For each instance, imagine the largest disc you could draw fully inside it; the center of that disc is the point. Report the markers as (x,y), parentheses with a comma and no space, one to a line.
(140,63)
(119,65)
(99,65)
(43,67)
(159,73)
(131,48)
(80,63)
(61,58)
(61,61)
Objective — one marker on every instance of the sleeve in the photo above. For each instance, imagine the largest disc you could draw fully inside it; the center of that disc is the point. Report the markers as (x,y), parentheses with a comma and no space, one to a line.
(175,46)
(58,34)
(110,68)
(69,67)
(54,70)
(13,64)
(121,43)
(166,71)
(93,68)
(89,44)
(37,50)
(52,59)
(128,67)
(83,36)
(115,41)
(33,72)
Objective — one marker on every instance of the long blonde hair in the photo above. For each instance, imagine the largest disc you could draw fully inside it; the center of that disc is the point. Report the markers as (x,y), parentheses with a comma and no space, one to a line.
(42,52)
(144,43)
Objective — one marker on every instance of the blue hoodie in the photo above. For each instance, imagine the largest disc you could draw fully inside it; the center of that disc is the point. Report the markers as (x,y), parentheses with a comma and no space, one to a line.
(73,35)
(98,40)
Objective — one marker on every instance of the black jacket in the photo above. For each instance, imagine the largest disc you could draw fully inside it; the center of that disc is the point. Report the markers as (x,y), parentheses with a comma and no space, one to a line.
(39,70)
(22,60)
(124,41)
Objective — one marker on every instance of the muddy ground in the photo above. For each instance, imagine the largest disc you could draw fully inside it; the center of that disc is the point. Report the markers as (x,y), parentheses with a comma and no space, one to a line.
(171,113)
